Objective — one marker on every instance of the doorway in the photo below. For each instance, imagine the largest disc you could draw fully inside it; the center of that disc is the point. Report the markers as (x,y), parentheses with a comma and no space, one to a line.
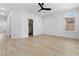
(30,27)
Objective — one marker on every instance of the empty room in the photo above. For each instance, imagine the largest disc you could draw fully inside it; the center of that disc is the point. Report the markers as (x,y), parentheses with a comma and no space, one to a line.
(39,29)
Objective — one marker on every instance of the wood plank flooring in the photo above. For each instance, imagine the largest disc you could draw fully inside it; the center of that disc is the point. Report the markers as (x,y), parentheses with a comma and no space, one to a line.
(42,45)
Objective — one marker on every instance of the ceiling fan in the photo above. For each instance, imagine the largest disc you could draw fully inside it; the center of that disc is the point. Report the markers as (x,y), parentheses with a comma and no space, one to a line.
(42,8)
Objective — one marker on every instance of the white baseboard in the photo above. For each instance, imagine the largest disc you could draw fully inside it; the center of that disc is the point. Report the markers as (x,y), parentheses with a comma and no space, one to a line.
(74,37)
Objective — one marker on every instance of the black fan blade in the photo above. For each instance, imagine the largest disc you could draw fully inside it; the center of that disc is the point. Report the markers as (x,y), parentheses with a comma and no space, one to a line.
(39,10)
(40,5)
(42,8)
(47,9)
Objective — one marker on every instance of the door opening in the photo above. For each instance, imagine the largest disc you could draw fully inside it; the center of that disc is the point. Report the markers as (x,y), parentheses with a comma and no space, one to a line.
(30,27)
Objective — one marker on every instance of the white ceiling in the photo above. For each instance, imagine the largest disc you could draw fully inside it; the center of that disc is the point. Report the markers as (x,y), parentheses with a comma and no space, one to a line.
(34,7)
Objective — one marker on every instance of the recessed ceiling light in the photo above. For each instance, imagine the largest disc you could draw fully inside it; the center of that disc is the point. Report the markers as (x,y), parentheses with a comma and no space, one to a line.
(2,8)
(42,13)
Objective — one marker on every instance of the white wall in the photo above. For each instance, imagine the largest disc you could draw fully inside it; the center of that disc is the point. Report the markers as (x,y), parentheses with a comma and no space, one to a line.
(15,24)
(54,25)
(19,24)
(3,24)
(78,21)
(37,24)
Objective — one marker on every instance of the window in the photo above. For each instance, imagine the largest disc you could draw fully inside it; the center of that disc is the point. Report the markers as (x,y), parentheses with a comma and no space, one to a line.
(70,21)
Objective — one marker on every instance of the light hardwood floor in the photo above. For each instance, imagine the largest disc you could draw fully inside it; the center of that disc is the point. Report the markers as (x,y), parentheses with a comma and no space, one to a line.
(42,45)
